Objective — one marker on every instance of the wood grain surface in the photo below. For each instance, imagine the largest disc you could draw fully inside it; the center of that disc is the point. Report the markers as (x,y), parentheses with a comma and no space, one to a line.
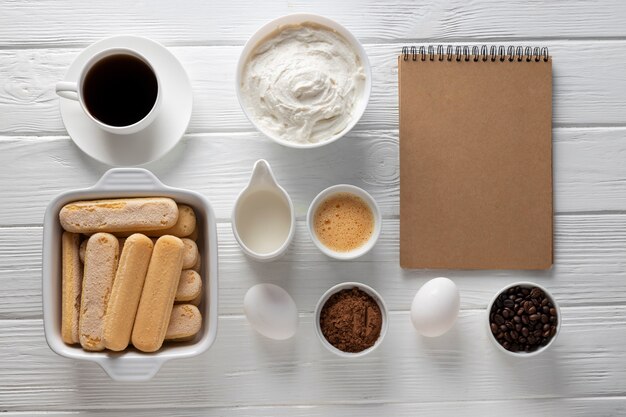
(460,374)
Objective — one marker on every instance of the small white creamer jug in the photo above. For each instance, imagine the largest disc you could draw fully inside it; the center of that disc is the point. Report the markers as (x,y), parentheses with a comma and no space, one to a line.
(263,217)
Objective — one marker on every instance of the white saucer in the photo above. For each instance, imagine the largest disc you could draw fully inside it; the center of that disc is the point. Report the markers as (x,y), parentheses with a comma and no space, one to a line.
(160,136)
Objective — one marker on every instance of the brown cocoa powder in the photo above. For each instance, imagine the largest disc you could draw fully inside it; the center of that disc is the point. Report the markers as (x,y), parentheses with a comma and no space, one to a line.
(351,320)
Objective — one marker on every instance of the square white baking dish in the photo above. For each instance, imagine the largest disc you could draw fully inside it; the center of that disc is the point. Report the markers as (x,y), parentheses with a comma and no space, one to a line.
(130,365)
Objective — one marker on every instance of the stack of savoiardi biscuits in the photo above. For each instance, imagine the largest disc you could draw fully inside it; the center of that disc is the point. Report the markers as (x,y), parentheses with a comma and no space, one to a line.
(130,273)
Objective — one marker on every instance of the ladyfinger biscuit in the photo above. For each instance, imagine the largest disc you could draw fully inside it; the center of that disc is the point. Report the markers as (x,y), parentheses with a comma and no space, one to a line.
(196,267)
(194,235)
(83,246)
(196,301)
(72,283)
(101,257)
(191,253)
(184,226)
(185,323)
(189,286)
(119,215)
(129,279)
(157,296)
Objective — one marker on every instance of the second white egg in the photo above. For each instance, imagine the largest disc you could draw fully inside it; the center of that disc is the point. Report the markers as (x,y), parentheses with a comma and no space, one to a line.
(435,307)
(271,311)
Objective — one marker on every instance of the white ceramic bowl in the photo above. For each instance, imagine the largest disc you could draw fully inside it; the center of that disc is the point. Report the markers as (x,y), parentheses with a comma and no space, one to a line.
(299,18)
(348,285)
(492,337)
(130,365)
(344,188)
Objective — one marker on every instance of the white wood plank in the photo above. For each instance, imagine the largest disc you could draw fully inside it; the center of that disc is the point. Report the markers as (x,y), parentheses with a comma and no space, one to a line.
(589,87)
(539,407)
(589,172)
(242,368)
(76,23)
(590,253)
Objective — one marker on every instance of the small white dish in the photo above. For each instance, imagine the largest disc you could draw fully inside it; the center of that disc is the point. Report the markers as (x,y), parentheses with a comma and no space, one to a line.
(525,284)
(294,19)
(156,139)
(365,196)
(343,286)
(130,365)
(262,179)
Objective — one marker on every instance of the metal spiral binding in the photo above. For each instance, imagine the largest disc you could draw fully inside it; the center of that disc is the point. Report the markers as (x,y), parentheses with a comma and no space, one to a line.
(474,53)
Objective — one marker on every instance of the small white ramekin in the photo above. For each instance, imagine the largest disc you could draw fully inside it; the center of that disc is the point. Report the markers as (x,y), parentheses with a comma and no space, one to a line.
(343,286)
(525,284)
(359,192)
(294,19)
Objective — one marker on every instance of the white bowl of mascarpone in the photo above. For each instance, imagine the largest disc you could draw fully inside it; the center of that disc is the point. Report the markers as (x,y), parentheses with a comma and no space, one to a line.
(303,80)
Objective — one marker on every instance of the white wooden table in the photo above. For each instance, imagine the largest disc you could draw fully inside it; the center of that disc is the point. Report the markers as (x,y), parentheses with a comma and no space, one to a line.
(243,374)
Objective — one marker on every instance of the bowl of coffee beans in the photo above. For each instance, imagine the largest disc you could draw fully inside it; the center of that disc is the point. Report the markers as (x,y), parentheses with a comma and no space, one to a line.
(524,319)
(351,319)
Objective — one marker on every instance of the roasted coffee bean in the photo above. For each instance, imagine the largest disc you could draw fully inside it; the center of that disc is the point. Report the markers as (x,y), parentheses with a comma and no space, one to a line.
(523,319)
(527,305)
(536,293)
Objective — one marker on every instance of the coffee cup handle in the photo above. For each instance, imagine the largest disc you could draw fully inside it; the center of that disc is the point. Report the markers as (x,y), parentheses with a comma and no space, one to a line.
(67,90)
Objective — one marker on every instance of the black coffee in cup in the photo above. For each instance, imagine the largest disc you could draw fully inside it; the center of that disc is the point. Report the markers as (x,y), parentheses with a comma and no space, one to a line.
(120,90)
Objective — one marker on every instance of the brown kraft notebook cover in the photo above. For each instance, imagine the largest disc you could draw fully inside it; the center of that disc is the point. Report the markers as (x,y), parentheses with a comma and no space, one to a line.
(475,160)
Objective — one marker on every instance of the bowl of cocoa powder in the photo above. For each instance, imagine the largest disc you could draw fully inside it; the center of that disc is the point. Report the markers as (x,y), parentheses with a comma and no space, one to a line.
(351,319)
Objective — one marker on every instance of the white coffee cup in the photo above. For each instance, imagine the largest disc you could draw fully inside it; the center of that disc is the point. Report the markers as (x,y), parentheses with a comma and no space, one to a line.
(75,91)
(358,192)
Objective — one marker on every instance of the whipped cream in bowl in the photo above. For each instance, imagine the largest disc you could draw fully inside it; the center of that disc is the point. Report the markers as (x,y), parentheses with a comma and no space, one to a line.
(303,80)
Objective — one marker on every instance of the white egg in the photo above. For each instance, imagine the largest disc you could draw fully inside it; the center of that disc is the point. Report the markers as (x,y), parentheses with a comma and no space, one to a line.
(271,311)
(435,307)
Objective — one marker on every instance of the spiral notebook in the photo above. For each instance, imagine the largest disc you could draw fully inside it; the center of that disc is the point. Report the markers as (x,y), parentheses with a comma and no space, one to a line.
(475,157)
